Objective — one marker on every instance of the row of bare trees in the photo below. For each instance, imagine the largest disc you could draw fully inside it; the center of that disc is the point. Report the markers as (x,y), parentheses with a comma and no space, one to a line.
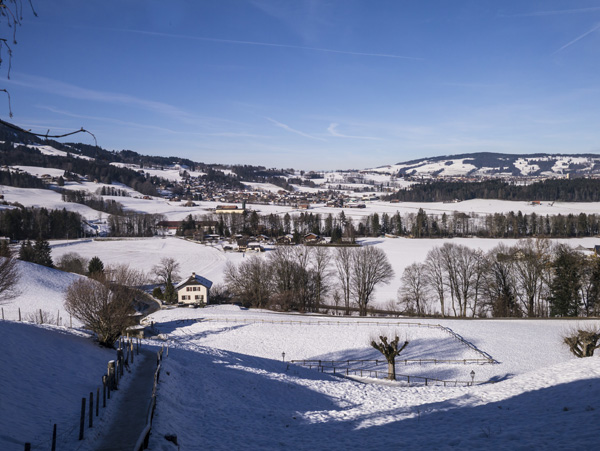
(508,281)
(301,278)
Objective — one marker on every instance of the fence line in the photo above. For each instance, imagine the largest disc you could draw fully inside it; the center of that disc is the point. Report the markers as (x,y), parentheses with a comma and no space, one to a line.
(372,322)
(409,379)
(37,316)
(109,383)
(144,438)
(317,322)
(338,363)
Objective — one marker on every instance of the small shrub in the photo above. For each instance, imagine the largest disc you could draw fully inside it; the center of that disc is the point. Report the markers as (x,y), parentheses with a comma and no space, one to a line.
(583,342)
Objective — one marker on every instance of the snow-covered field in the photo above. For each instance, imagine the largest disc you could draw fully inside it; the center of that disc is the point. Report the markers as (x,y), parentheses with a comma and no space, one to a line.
(209,261)
(224,384)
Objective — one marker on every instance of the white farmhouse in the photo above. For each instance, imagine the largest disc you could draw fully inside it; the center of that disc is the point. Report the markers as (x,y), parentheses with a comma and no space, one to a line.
(194,290)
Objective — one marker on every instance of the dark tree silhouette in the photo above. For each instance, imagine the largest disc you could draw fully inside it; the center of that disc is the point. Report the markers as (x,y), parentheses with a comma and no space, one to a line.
(390,351)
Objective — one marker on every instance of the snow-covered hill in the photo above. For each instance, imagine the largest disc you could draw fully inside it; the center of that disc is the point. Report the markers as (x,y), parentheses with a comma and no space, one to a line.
(224,384)
(498,165)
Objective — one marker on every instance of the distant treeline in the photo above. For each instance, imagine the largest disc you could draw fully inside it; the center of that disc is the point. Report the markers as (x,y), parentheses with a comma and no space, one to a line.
(20,179)
(23,223)
(109,206)
(342,228)
(564,190)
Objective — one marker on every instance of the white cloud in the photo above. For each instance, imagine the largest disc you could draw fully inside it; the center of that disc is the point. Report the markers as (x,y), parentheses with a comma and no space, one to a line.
(290,129)
(332,129)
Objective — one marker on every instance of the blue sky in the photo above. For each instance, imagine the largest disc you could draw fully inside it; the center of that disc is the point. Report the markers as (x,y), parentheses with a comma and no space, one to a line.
(312,84)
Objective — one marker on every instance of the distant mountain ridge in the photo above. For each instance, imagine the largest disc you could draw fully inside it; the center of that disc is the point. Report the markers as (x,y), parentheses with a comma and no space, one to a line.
(488,164)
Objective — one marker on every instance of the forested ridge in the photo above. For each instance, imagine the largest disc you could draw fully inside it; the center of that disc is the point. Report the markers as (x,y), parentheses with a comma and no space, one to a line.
(563,190)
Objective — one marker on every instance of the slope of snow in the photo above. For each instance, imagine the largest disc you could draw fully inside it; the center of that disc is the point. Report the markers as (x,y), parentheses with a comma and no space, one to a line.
(225,386)
(210,261)
(45,198)
(49,150)
(40,288)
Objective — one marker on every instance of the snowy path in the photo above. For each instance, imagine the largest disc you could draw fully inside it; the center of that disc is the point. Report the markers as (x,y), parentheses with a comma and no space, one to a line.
(125,429)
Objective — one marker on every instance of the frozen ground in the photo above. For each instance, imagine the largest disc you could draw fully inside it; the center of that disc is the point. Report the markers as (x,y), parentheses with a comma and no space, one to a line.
(224,384)
(210,261)
(227,386)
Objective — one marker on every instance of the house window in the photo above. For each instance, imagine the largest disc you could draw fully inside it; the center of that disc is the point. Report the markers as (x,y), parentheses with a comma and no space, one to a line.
(197,297)
(187,288)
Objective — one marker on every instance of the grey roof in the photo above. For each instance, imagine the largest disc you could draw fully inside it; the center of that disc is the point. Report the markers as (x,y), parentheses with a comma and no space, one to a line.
(201,280)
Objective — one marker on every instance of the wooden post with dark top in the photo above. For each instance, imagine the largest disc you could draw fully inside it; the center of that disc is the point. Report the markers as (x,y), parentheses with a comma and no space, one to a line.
(82,419)
(91,412)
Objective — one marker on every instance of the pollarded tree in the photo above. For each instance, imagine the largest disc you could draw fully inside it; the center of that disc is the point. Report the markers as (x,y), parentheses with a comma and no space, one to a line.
(390,351)
(583,342)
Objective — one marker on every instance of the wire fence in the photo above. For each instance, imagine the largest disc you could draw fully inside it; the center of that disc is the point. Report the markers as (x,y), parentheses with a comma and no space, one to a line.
(97,401)
(410,380)
(338,363)
(38,316)
(371,322)
(144,438)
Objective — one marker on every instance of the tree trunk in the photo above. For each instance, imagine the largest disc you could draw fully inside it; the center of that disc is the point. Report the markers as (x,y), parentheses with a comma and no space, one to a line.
(392,369)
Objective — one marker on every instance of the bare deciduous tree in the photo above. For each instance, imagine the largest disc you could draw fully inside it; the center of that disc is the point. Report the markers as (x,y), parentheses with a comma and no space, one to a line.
(390,351)
(249,282)
(322,257)
(413,292)
(343,263)
(532,266)
(167,271)
(583,341)
(105,304)
(435,276)
(370,267)
(500,284)
(9,277)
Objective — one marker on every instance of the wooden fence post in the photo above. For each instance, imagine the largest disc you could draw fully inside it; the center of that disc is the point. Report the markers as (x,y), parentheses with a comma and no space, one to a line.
(97,400)
(27,446)
(58,317)
(91,412)
(19,314)
(54,438)
(111,376)
(82,419)
(2,312)
(103,391)
(41,317)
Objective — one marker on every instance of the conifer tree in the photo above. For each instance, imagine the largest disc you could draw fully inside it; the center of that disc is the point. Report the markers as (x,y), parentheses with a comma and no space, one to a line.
(43,253)
(95,266)
(566,283)
(26,252)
